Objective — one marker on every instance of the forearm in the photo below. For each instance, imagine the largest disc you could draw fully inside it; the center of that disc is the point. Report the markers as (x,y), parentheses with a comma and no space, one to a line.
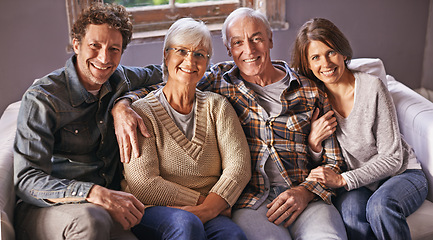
(235,155)
(133,96)
(42,190)
(160,192)
(318,190)
(377,168)
(214,204)
(145,181)
(34,185)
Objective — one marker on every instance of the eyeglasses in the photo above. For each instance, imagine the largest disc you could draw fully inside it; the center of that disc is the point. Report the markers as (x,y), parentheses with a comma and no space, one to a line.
(199,56)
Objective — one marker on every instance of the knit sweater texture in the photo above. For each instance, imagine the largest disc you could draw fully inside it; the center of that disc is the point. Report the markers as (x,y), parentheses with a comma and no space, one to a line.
(370,138)
(173,171)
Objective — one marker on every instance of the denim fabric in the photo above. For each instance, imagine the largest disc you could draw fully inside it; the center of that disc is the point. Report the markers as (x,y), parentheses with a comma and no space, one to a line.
(65,139)
(382,214)
(172,223)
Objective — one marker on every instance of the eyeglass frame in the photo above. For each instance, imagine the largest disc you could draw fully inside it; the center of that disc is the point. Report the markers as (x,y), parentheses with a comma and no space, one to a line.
(194,53)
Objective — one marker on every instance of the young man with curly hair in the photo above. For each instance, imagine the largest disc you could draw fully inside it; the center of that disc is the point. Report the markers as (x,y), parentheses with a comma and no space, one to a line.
(66,157)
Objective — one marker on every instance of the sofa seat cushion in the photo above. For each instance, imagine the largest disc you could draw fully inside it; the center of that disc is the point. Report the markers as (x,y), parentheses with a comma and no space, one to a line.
(421,222)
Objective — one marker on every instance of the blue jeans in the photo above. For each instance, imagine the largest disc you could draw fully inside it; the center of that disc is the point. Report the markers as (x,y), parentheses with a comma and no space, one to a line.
(170,223)
(382,214)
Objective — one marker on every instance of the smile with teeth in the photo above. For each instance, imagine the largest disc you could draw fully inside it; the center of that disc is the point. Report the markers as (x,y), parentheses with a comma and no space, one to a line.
(328,73)
(251,60)
(100,68)
(186,70)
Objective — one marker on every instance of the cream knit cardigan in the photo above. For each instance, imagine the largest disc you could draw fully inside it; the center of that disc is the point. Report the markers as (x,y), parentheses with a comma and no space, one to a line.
(173,171)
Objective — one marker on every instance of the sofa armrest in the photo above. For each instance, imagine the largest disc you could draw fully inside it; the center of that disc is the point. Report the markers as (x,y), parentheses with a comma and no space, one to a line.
(8,123)
(415,117)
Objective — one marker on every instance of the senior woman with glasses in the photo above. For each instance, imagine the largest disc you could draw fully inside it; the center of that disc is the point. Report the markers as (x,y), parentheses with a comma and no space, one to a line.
(196,162)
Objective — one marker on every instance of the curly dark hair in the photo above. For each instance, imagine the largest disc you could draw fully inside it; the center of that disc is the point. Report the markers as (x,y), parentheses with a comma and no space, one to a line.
(114,15)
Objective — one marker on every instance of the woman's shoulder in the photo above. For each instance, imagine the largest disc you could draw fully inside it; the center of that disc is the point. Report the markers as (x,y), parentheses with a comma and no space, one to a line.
(369,81)
(144,105)
(211,97)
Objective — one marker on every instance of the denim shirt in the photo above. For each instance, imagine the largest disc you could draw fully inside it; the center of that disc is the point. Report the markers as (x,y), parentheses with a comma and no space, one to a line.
(65,141)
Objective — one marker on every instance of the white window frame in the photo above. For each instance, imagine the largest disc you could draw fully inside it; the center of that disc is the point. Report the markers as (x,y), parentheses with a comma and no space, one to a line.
(147,29)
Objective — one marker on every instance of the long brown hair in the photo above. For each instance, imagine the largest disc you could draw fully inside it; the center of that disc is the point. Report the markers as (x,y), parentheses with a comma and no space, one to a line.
(318,29)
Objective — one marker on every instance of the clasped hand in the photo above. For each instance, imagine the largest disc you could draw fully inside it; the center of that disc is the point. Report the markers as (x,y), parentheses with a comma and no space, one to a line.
(321,129)
(326,176)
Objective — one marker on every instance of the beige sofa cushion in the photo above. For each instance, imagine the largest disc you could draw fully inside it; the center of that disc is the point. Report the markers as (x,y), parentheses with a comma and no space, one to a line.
(8,126)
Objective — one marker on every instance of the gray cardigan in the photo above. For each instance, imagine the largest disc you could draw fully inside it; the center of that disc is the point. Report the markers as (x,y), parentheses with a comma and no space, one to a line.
(370,137)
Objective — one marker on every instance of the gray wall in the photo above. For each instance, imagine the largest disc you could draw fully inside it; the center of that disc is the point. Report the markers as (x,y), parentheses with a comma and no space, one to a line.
(427,76)
(34,38)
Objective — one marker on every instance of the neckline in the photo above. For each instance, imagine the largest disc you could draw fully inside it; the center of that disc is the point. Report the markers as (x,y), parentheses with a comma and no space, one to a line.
(193,146)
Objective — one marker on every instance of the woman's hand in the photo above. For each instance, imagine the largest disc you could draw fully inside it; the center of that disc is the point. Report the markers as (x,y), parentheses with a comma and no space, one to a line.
(327,177)
(321,129)
(126,121)
(212,206)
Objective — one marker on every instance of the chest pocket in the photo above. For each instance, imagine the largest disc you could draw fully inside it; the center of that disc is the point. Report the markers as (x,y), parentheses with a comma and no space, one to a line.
(75,138)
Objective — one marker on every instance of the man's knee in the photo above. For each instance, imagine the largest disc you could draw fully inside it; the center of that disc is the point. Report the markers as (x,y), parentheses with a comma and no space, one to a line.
(256,225)
(90,221)
(71,221)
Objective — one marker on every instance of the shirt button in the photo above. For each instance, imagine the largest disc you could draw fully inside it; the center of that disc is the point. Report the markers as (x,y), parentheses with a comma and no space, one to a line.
(101,122)
(76,131)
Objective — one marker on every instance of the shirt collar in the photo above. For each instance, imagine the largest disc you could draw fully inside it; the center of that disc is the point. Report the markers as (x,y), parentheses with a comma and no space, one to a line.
(236,78)
(77,92)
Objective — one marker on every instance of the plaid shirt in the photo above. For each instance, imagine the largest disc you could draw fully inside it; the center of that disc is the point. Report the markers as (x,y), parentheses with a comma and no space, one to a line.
(283,138)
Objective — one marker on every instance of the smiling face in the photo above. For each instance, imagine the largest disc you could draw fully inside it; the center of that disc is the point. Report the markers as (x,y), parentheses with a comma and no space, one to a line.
(186,64)
(325,63)
(249,45)
(98,55)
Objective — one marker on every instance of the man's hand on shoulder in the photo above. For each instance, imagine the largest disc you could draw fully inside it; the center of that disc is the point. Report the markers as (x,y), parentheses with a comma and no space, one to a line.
(126,121)
(289,205)
(123,207)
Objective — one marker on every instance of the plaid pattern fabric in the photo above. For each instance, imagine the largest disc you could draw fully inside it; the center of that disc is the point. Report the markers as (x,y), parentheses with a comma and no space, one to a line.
(284,137)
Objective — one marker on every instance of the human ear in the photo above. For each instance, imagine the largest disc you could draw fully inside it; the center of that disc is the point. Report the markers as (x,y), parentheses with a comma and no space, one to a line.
(229,52)
(271,42)
(75,45)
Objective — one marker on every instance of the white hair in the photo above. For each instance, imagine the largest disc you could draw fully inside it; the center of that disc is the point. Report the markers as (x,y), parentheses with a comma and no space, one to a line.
(244,12)
(187,31)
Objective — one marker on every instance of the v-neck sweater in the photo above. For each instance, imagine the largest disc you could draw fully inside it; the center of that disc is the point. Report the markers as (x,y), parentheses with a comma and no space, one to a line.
(174,171)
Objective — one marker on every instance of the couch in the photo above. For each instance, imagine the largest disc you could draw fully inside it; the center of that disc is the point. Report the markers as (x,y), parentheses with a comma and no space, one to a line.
(415,115)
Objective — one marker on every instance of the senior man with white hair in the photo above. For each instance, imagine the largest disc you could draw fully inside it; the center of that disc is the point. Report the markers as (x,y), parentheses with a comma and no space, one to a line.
(275,106)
